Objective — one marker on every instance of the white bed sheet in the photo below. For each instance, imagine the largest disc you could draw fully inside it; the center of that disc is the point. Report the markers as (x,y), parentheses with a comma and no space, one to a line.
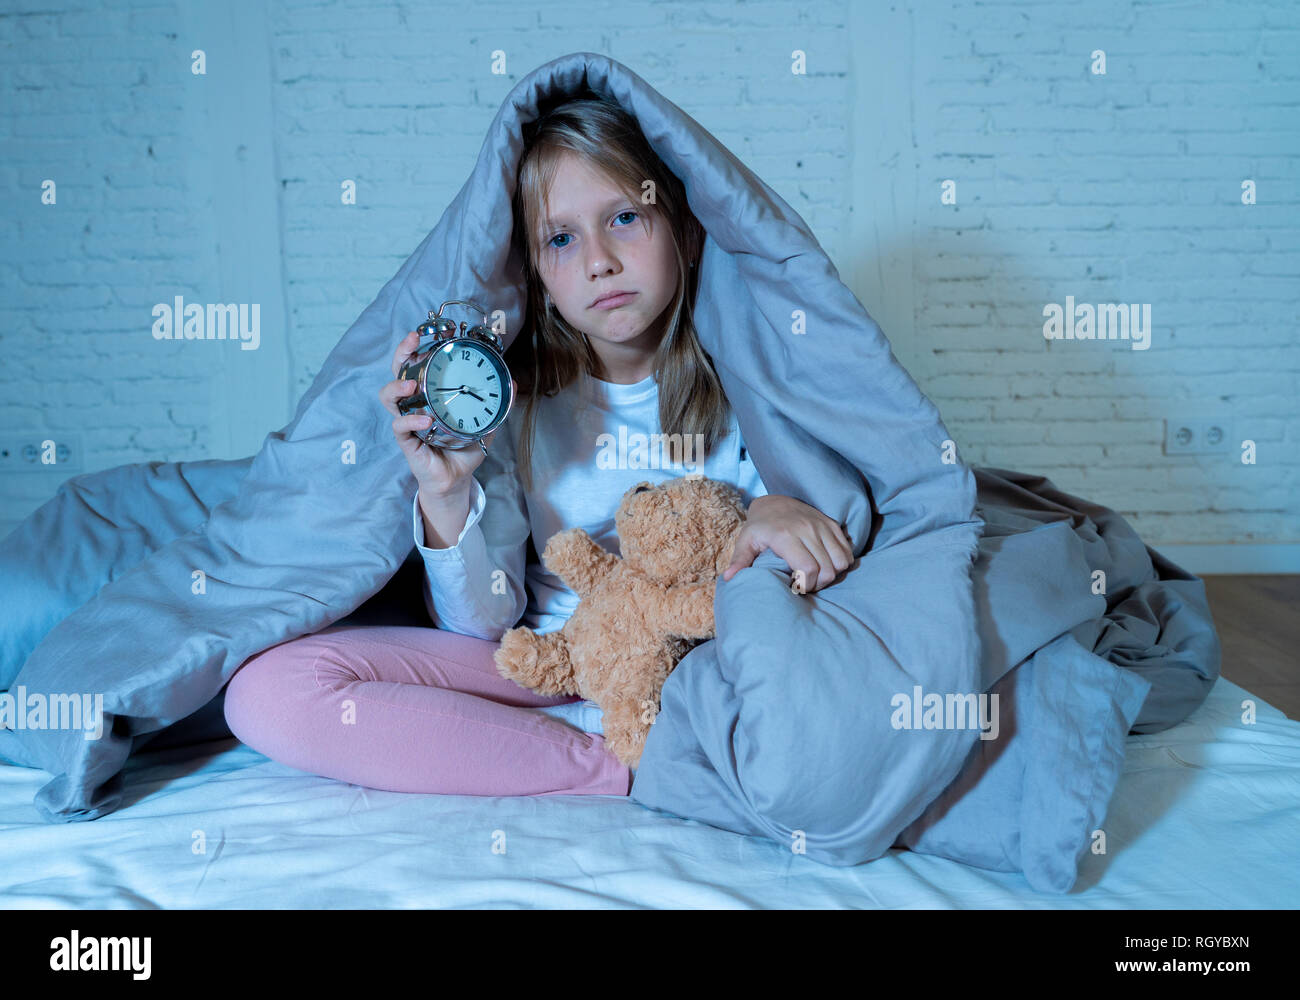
(1206,815)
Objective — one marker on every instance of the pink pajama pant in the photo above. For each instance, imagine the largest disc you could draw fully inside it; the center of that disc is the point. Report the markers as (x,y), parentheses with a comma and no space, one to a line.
(412,709)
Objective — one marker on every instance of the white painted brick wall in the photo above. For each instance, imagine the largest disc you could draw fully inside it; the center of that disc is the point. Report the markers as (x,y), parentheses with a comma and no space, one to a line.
(1117,188)
(90,102)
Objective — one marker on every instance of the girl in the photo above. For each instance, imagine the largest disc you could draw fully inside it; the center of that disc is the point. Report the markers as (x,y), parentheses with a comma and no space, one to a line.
(608,354)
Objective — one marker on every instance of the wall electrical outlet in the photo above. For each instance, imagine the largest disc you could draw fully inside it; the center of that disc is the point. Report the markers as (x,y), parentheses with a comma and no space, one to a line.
(1197,435)
(29,453)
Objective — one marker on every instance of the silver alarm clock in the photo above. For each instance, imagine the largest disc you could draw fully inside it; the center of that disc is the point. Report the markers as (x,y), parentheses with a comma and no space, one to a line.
(461,379)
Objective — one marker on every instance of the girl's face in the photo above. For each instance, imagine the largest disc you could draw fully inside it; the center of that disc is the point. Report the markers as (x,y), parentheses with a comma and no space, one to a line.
(595,242)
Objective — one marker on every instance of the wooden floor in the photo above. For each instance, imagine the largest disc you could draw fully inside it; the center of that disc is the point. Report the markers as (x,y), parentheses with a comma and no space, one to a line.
(1258,619)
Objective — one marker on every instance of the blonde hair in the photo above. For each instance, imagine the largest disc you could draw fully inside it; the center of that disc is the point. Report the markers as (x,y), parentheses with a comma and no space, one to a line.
(548,354)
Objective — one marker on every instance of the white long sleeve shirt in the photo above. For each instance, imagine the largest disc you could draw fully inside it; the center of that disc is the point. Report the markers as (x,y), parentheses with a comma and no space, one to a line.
(592,443)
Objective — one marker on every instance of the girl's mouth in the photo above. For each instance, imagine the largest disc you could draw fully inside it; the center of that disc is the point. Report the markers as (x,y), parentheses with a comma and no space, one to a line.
(614,301)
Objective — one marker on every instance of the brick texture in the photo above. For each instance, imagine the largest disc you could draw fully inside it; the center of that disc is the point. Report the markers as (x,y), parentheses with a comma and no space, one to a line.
(1123,187)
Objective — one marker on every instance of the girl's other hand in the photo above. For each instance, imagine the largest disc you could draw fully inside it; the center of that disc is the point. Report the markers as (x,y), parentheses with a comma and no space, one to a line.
(811,543)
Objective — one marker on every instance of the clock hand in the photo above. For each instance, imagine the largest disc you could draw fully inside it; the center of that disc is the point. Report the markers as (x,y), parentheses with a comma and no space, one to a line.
(454,390)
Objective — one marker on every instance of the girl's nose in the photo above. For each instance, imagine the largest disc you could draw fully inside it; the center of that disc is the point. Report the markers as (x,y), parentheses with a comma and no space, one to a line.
(602,259)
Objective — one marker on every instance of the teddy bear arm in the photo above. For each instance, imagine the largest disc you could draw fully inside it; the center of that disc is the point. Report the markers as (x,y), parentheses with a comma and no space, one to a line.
(538,662)
(687,611)
(575,558)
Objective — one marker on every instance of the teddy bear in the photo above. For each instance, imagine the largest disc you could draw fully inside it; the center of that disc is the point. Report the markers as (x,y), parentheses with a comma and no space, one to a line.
(639,612)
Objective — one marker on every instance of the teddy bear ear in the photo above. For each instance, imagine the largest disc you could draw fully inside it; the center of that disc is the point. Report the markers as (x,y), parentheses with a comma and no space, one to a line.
(645,484)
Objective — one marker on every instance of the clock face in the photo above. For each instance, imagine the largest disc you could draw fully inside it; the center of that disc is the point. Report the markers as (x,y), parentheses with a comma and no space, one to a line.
(465,387)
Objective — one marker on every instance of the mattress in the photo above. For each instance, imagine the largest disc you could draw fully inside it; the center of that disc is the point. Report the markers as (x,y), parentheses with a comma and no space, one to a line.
(1206,815)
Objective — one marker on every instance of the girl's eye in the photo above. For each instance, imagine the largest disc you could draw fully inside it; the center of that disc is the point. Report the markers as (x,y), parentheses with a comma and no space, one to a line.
(552,244)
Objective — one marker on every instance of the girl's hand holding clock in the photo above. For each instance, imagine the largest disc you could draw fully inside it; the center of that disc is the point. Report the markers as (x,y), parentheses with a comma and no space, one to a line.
(440,472)
(815,547)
